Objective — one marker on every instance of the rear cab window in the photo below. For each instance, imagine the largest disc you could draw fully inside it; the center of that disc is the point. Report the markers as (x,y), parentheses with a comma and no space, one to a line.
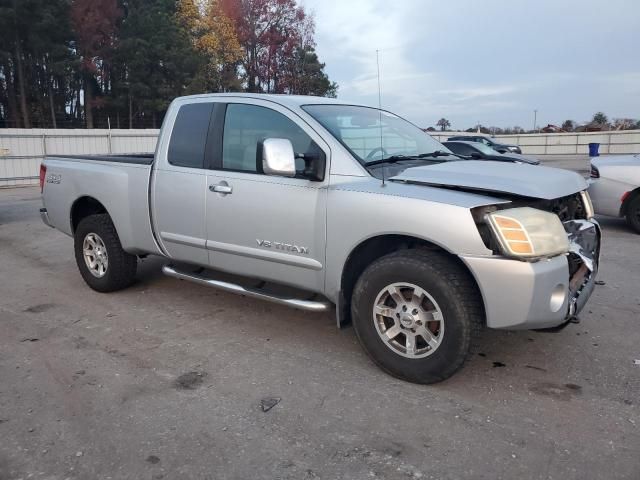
(189,135)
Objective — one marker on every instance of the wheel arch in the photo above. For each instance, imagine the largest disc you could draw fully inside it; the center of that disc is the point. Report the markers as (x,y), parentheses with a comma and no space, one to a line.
(82,207)
(376,247)
(630,197)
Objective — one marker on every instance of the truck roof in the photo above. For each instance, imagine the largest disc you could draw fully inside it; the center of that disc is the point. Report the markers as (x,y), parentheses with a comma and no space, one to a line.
(285,100)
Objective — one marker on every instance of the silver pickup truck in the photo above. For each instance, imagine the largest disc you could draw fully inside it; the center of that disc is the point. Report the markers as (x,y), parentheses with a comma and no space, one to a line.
(317,204)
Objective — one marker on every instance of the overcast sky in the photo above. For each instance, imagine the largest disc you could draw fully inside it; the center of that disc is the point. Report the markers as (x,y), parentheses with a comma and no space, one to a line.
(489,61)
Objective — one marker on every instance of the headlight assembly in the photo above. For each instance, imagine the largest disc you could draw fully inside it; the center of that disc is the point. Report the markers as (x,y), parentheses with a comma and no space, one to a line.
(528,232)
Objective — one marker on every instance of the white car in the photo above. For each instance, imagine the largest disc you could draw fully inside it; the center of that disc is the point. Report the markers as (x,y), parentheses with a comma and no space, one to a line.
(615,187)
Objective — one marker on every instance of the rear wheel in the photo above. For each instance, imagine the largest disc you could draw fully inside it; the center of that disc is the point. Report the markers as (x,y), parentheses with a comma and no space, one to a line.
(416,313)
(633,213)
(102,262)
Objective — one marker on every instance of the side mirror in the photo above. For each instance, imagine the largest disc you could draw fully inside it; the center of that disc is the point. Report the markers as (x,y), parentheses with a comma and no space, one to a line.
(278,157)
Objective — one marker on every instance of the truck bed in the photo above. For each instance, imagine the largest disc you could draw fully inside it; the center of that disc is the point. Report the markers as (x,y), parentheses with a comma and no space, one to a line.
(137,158)
(120,183)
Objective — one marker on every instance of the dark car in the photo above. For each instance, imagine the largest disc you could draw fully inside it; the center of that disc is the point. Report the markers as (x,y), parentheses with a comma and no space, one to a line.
(500,147)
(480,151)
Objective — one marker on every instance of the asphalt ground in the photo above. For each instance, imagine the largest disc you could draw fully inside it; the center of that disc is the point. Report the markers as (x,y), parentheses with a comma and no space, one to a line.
(168,380)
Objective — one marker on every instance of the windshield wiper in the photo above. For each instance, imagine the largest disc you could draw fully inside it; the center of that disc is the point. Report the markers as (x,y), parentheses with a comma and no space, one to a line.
(397,158)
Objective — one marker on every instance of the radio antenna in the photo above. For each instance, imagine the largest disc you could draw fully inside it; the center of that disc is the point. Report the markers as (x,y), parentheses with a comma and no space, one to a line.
(380,112)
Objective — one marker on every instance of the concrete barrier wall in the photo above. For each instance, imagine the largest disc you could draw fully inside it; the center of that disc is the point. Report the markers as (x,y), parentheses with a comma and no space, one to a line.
(21,150)
(617,142)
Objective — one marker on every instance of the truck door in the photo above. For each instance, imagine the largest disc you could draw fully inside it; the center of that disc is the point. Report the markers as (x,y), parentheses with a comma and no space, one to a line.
(179,188)
(265,226)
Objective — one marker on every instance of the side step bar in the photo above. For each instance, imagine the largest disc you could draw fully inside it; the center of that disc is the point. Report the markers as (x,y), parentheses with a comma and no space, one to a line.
(309,305)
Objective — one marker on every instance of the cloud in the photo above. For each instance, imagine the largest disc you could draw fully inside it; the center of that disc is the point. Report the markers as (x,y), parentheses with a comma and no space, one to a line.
(489,62)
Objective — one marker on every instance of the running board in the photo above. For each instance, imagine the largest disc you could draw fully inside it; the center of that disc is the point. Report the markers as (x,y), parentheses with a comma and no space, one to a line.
(309,305)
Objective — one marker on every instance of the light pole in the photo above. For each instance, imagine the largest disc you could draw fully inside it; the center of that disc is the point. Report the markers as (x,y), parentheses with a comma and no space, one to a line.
(535,119)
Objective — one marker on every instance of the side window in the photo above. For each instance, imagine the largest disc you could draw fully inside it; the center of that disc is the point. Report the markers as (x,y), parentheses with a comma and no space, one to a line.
(460,148)
(189,135)
(246,125)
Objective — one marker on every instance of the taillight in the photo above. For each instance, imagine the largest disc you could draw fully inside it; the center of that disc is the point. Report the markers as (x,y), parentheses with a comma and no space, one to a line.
(625,195)
(43,173)
(594,172)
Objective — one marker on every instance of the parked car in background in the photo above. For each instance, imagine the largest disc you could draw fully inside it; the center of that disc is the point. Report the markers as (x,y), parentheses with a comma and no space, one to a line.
(615,187)
(480,151)
(500,147)
(355,208)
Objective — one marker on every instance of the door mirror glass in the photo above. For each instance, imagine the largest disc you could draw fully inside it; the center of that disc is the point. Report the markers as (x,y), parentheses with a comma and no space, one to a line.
(278,157)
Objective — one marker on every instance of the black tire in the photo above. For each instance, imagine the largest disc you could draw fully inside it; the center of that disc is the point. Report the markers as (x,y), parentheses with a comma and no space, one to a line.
(633,213)
(121,268)
(453,290)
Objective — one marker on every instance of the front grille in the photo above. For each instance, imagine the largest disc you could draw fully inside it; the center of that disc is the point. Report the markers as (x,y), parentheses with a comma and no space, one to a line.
(567,208)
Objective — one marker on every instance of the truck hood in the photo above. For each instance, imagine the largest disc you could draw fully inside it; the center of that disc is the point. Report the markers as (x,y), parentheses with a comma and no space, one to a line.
(496,177)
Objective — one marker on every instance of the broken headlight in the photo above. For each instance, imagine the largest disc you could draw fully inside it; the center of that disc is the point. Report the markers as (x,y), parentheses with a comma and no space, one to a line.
(528,233)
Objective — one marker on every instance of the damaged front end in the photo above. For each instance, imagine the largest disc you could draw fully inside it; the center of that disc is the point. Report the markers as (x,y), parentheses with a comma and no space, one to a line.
(584,256)
(556,284)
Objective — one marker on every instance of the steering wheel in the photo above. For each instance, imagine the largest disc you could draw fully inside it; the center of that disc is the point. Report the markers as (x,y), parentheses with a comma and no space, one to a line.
(376,150)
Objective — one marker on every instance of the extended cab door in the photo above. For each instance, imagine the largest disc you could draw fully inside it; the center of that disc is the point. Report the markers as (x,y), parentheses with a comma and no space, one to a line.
(179,188)
(265,226)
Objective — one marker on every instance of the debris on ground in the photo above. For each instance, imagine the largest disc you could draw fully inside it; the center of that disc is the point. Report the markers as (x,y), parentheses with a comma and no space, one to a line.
(268,403)
(40,308)
(533,367)
(636,362)
(600,282)
(30,339)
(189,380)
(499,364)
(153,459)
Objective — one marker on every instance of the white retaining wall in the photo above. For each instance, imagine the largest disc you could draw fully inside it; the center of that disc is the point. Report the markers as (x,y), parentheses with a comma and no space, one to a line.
(626,141)
(21,150)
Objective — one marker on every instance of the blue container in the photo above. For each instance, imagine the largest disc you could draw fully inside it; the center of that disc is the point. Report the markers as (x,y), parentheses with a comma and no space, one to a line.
(593,149)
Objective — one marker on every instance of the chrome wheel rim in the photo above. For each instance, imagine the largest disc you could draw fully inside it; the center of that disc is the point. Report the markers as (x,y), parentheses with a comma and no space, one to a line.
(408,320)
(95,255)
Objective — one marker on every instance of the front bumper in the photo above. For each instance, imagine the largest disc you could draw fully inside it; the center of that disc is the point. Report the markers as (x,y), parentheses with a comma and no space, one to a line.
(521,295)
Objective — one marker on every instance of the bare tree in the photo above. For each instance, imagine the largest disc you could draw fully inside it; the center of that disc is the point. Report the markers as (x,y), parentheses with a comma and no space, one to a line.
(443,123)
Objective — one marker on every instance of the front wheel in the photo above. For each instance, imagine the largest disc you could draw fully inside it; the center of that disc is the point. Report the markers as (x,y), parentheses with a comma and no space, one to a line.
(633,214)
(102,262)
(416,313)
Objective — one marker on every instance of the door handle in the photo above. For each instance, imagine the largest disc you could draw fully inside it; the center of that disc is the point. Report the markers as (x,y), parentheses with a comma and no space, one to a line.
(221,188)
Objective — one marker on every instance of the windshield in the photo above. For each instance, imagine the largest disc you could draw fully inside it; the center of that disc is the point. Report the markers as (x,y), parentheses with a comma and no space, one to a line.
(371,134)
(487,141)
(487,150)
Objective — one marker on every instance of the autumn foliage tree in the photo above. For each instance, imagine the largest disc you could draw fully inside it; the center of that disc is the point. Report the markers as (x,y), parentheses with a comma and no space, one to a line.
(95,26)
(214,38)
(277,42)
(96,63)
